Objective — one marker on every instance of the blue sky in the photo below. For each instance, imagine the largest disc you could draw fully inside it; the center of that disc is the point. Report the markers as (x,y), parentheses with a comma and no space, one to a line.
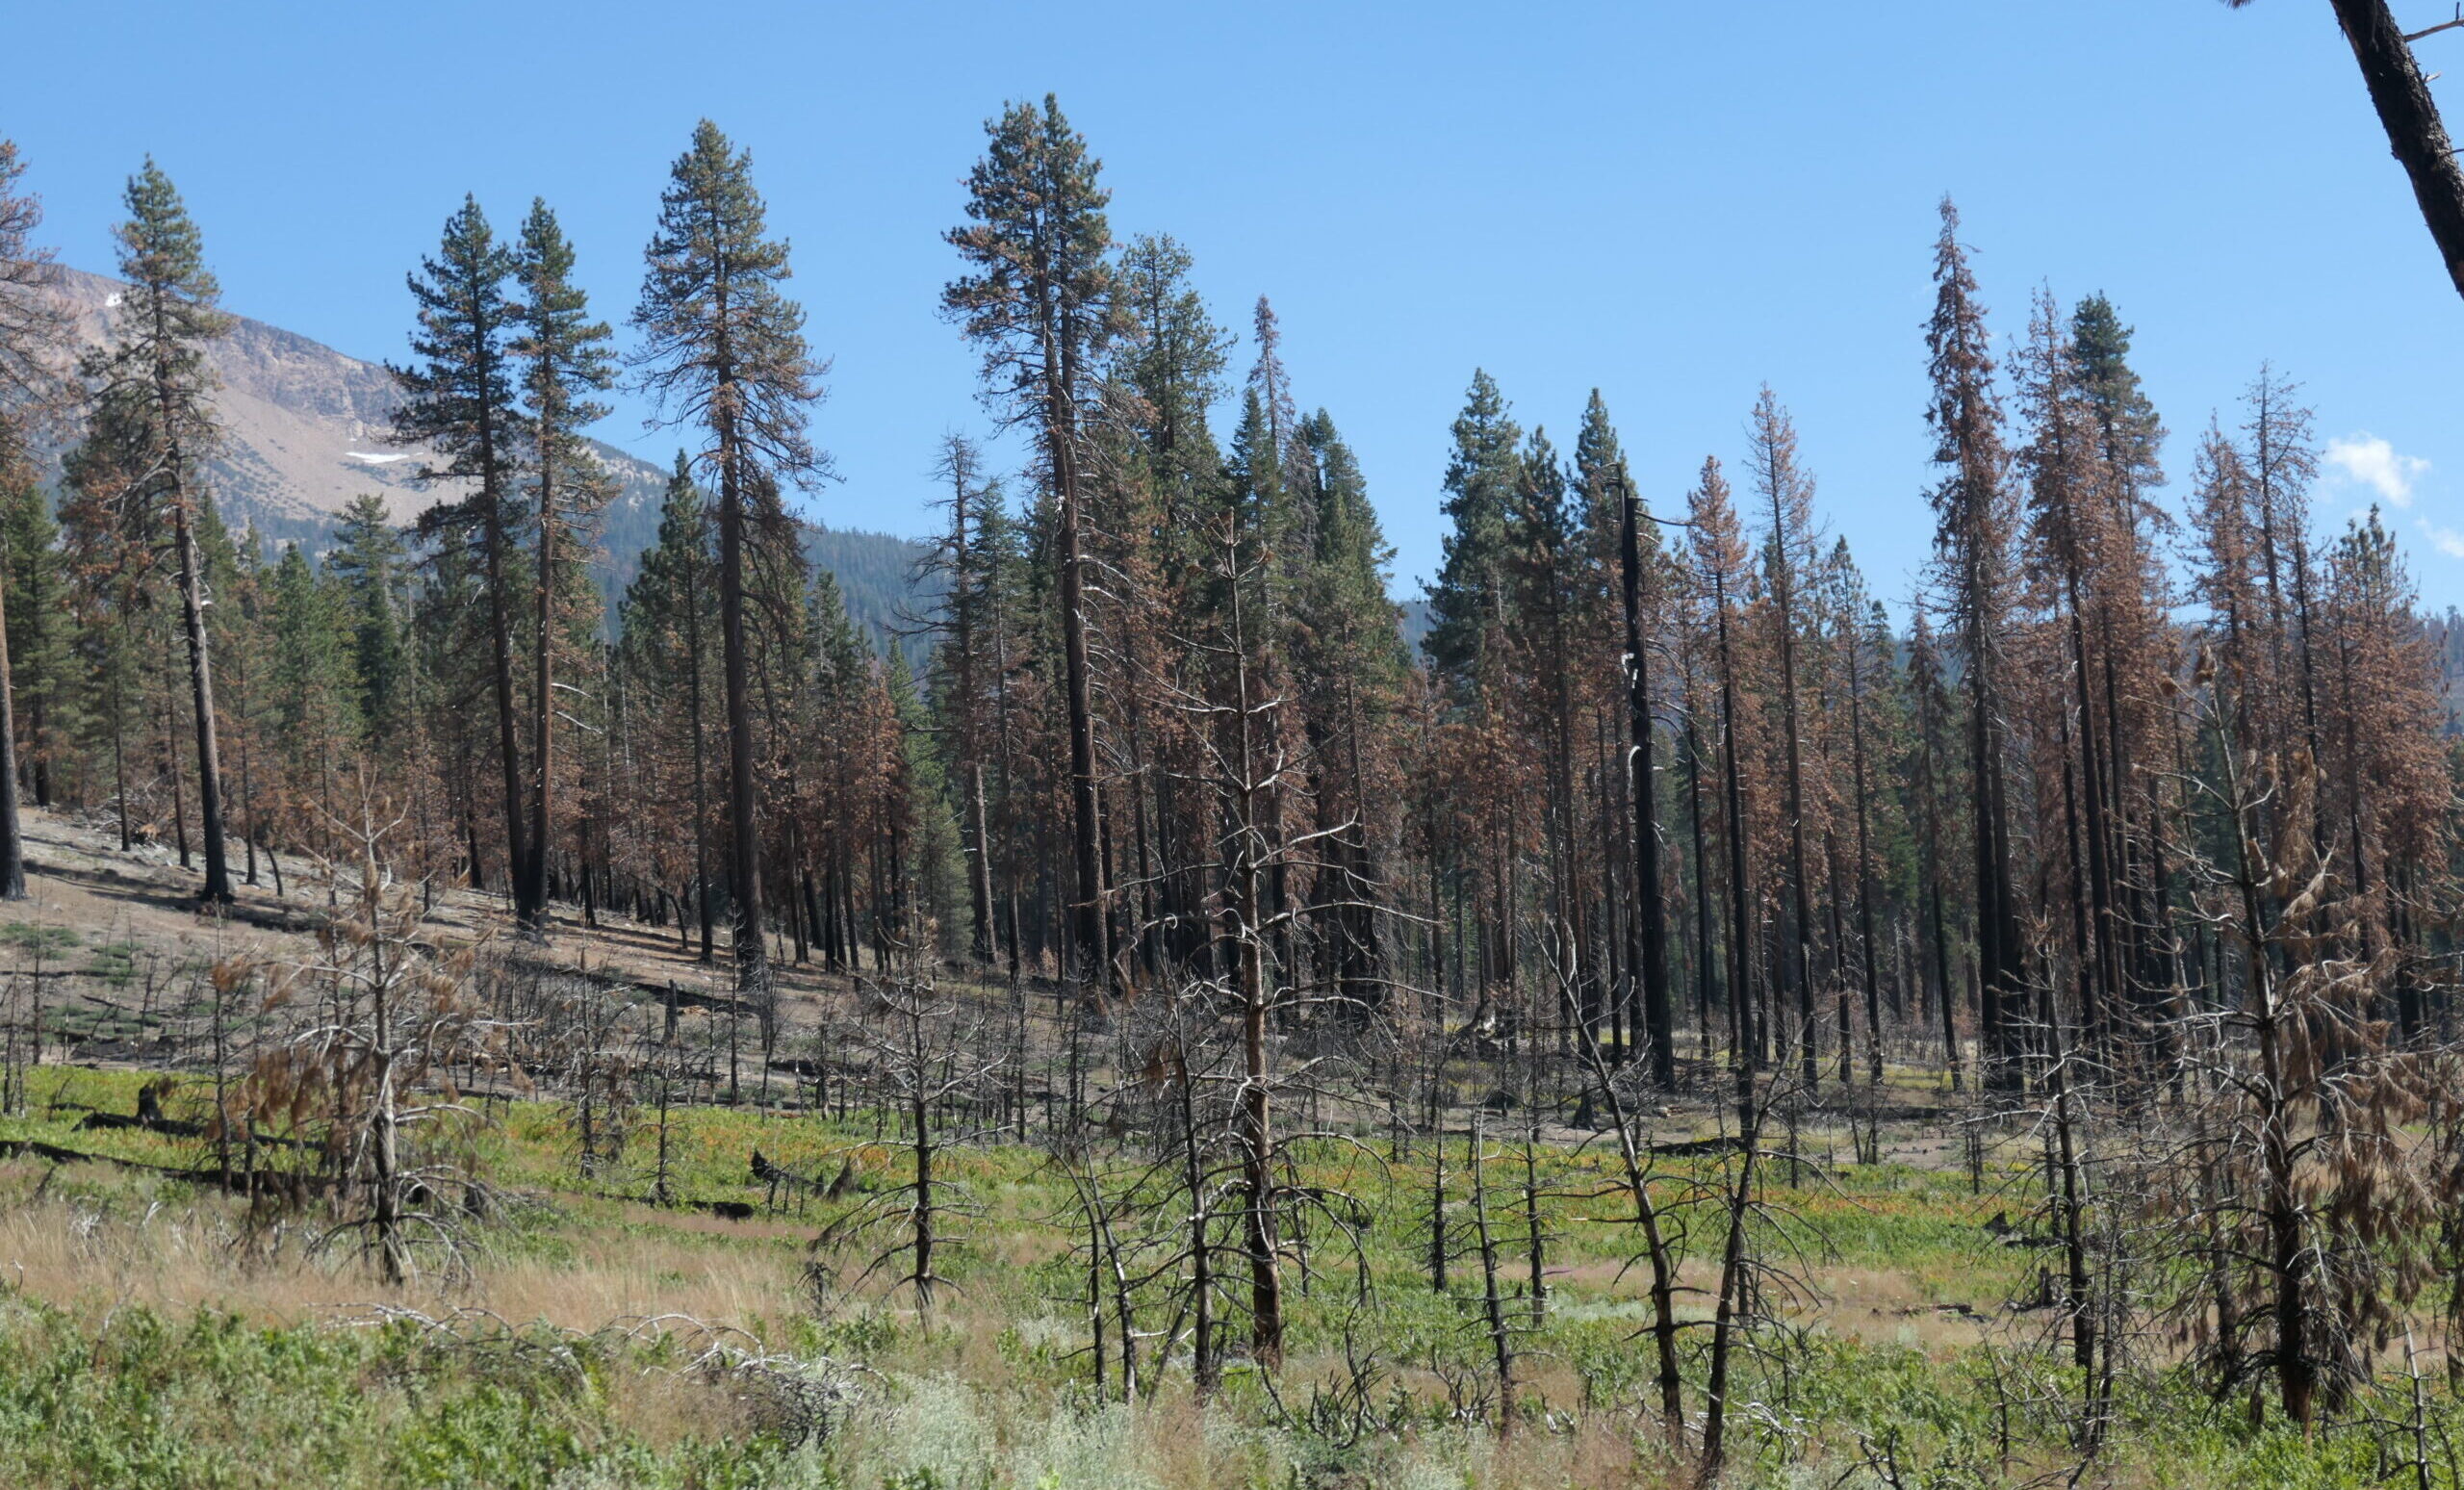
(1671,202)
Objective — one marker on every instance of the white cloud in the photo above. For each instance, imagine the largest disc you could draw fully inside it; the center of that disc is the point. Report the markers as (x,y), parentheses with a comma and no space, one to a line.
(2446,540)
(2372,462)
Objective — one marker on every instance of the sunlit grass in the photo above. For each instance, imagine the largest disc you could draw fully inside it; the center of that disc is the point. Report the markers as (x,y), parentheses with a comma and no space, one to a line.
(134,1298)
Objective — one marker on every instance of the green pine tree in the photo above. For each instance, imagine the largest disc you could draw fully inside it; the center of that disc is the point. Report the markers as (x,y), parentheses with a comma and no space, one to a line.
(1467,603)
(33,329)
(724,351)
(1175,365)
(1041,301)
(1351,663)
(367,563)
(459,402)
(153,399)
(666,644)
(2133,435)
(309,677)
(564,359)
(936,863)
(45,680)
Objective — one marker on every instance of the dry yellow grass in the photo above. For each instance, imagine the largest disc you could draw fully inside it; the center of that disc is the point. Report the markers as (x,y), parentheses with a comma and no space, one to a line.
(202,1253)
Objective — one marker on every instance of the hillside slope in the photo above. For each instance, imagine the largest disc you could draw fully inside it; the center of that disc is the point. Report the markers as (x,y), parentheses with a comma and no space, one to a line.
(307,428)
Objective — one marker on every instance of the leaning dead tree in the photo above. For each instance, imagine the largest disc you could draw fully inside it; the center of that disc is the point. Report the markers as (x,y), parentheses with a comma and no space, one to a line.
(1759,1284)
(2400,91)
(1659,1234)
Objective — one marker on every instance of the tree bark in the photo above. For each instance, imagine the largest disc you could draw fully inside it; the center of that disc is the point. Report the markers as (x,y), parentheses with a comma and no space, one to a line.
(532,893)
(1658,1028)
(12,849)
(208,767)
(744,889)
(209,762)
(2410,116)
(1800,965)
(1869,949)
(1093,955)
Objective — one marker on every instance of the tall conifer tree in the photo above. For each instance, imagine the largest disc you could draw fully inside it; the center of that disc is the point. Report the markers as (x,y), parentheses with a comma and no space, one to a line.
(1719,576)
(459,402)
(1787,496)
(33,327)
(154,398)
(1350,661)
(723,350)
(32,333)
(1659,1027)
(1972,540)
(563,357)
(1039,301)
(365,563)
(666,625)
(1483,475)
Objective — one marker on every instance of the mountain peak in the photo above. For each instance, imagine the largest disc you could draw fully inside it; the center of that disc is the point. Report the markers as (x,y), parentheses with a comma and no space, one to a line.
(305,428)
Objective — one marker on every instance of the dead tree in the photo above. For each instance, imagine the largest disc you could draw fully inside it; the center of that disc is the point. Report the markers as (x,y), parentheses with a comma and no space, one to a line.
(1643,790)
(396,1019)
(1662,1246)
(1752,1286)
(1247,765)
(658,1064)
(2077,1289)
(1503,1320)
(2303,1168)
(586,1046)
(1175,1106)
(926,1057)
(1104,1209)
(2415,133)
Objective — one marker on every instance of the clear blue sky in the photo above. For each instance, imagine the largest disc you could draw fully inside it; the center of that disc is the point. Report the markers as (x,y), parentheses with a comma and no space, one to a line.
(1671,202)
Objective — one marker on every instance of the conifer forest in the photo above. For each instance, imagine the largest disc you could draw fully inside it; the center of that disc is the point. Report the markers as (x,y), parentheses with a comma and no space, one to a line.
(1136,997)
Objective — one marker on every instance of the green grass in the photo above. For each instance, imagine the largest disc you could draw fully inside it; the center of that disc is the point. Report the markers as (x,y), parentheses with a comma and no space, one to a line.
(211,1400)
(34,938)
(114,963)
(95,1393)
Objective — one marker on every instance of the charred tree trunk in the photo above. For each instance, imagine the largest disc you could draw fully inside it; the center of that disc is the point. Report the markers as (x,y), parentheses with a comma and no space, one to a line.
(531,890)
(1660,1028)
(744,882)
(209,759)
(12,845)
(2410,116)
(1091,948)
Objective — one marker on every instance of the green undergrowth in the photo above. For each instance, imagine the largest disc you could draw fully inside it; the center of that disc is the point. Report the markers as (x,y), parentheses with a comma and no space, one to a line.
(1902,1362)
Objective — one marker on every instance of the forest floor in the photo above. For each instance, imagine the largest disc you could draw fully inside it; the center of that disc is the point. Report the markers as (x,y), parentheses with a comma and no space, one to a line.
(157,1331)
(123,949)
(122,944)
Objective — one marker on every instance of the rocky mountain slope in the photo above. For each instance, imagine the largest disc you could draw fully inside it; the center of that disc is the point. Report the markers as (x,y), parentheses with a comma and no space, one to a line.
(307,427)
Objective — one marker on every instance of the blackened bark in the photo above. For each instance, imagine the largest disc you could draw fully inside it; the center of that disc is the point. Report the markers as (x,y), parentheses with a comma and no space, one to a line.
(2414,131)
(1657,1026)
(12,849)
(530,893)
(209,761)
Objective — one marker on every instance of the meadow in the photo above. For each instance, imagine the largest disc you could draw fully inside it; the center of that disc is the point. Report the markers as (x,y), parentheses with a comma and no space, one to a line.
(156,1331)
